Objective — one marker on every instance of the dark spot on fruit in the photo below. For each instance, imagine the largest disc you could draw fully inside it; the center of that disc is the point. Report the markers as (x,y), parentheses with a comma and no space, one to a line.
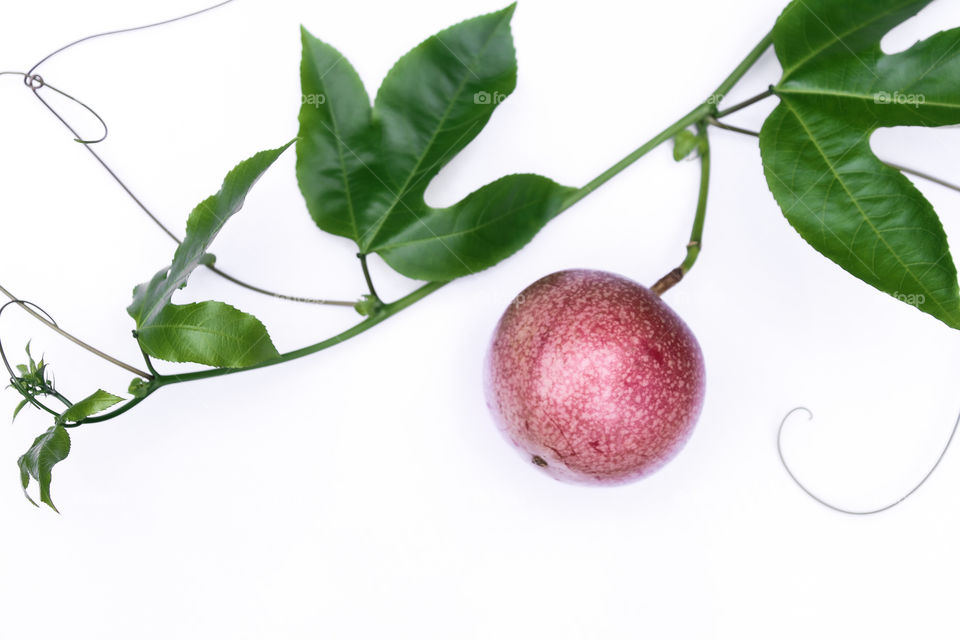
(595,445)
(655,353)
(540,462)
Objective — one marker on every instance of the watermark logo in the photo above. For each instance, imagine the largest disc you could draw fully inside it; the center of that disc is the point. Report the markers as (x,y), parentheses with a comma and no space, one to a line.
(912,99)
(485,97)
(912,299)
(315,99)
(716,98)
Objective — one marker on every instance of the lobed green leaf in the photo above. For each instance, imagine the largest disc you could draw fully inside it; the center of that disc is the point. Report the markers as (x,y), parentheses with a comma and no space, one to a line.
(363,170)
(837,88)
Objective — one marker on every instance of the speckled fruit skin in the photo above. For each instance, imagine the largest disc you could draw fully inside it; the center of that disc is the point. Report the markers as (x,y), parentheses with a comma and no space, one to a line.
(594,378)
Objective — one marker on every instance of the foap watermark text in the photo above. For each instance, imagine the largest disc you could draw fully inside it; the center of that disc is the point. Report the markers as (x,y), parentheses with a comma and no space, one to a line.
(485,97)
(912,99)
(912,299)
(315,99)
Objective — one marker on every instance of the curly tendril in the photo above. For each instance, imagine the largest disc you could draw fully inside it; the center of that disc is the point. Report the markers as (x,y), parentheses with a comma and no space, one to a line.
(851,512)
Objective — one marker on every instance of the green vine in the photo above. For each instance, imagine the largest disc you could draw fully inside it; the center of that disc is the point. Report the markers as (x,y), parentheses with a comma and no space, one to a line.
(363,166)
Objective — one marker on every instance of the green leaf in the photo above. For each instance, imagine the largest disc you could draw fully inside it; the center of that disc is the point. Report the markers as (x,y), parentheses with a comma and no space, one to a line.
(487,226)
(33,365)
(138,388)
(93,404)
(367,305)
(363,170)
(19,408)
(684,144)
(838,87)
(211,333)
(38,462)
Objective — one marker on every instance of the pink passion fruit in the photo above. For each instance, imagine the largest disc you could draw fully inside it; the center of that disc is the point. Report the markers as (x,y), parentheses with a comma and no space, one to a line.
(593,378)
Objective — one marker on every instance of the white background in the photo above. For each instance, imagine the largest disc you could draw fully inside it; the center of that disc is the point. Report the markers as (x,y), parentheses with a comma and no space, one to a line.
(364,492)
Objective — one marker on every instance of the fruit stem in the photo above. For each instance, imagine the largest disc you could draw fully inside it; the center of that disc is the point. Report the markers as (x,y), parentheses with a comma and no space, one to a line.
(696,234)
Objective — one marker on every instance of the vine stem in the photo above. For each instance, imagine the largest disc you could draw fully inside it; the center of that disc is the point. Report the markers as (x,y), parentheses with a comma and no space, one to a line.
(755,54)
(669,133)
(697,116)
(381,314)
(75,340)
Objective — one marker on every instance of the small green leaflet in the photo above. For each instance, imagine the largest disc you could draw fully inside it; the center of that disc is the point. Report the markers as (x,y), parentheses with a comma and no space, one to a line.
(211,333)
(38,462)
(363,169)
(91,405)
(19,408)
(838,87)
(31,382)
(684,144)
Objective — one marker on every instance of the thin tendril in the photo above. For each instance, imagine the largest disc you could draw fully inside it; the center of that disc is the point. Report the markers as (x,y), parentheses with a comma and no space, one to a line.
(899,167)
(891,505)
(127,30)
(35,82)
(48,321)
(924,176)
